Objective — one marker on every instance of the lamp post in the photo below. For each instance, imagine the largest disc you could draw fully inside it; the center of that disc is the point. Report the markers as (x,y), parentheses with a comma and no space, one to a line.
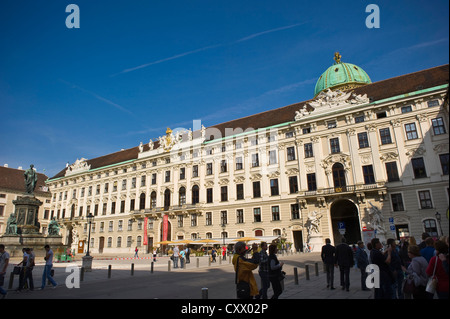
(438,218)
(87,260)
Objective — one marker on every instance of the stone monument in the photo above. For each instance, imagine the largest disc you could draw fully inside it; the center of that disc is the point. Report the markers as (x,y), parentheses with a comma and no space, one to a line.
(22,229)
(312,226)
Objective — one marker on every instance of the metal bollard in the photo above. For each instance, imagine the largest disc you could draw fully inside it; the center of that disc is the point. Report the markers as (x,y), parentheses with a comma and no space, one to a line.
(168,265)
(204,293)
(317,268)
(307,272)
(109,271)
(209,261)
(295,275)
(132,269)
(151,267)
(11,280)
(82,274)
(198,262)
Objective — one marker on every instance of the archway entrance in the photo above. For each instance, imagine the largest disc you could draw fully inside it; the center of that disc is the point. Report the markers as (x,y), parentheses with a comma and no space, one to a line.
(345,213)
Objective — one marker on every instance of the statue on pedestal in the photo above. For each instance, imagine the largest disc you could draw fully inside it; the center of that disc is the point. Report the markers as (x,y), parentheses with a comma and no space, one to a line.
(53,228)
(30,180)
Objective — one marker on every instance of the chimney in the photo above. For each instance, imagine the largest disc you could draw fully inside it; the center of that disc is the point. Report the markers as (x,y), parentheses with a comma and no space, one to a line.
(6,165)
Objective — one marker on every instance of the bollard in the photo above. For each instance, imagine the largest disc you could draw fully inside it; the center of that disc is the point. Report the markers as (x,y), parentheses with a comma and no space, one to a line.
(198,262)
(220,261)
(109,271)
(151,267)
(204,293)
(295,275)
(168,265)
(209,261)
(82,274)
(307,272)
(11,280)
(317,268)
(132,269)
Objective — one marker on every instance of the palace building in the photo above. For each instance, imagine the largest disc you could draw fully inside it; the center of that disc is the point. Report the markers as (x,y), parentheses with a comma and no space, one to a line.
(358,160)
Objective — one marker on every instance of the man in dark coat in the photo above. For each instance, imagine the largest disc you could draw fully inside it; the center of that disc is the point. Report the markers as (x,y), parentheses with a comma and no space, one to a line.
(344,259)
(328,258)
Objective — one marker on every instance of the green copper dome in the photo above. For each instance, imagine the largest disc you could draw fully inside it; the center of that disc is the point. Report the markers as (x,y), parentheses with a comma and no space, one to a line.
(343,76)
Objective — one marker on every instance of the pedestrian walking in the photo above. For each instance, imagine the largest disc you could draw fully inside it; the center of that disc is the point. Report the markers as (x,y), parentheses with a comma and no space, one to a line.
(224,253)
(345,261)
(246,286)
(29,269)
(362,260)
(182,258)
(382,261)
(136,250)
(176,255)
(213,255)
(23,269)
(263,270)
(395,266)
(275,271)
(4,262)
(436,269)
(328,255)
(48,268)
(417,277)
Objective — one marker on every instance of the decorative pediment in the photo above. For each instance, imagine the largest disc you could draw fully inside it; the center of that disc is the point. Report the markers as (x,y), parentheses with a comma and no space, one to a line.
(79,166)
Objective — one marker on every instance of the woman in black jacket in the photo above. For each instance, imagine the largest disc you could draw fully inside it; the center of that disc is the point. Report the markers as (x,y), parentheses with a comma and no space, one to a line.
(275,274)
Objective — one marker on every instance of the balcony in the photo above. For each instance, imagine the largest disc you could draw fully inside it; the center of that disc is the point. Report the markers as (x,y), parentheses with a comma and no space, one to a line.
(379,187)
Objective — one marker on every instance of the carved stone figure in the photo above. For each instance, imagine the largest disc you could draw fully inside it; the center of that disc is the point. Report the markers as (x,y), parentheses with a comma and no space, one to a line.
(376,219)
(11,225)
(53,227)
(313,223)
(30,179)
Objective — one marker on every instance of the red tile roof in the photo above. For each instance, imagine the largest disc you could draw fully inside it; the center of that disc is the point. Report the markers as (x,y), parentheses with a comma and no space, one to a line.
(376,91)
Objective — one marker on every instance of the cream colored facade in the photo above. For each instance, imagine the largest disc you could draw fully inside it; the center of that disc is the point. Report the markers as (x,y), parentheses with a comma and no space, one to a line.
(344,140)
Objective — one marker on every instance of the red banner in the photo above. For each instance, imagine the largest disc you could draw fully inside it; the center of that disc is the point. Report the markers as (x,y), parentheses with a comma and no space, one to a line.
(165,226)
(145,231)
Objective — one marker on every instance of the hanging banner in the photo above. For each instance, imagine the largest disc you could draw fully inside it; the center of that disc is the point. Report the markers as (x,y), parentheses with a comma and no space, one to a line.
(165,227)
(145,231)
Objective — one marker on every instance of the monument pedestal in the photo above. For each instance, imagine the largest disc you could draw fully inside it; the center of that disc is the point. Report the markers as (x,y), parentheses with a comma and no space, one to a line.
(23,229)
(87,263)
(316,242)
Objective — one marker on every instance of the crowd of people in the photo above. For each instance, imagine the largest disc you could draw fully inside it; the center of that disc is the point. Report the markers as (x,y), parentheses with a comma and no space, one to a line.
(270,270)
(406,270)
(25,269)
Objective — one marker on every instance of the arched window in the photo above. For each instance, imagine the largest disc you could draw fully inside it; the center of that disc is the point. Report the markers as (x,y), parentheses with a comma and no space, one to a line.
(195,194)
(153,200)
(142,201)
(182,196)
(166,199)
(258,232)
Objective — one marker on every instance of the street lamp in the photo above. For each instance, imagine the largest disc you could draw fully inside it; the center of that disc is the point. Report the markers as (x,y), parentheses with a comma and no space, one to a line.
(87,260)
(438,218)
(223,233)
(89,218)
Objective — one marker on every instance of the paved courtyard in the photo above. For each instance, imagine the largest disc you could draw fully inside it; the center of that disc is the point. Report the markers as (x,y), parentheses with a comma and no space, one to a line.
(119,282)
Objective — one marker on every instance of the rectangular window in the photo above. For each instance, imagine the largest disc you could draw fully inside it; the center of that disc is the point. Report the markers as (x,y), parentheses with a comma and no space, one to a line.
(363,140)
(239,164)
(274,187)
(167,176)
(397,202)
(239,191)
(180,221)
(419,167)
(332,124)
(406,109)
(193,219)
(240,216)
(223,166)
(438,126)
(359,119)
(257,215)
(272,157)
(208,218)
(182,173)
(369,178)
(224,193)
(209,195)
(256,189)
(392,172)
(255,160)
(153,178)
(291,153)
(334,145)
(295,211)
(433,103)
(209,169)
(293,184)
(411,131)
(308,147)
(195,171)
(275,212)
(385,136)
(425,199)
(223,217)
(444,163)
(311,179)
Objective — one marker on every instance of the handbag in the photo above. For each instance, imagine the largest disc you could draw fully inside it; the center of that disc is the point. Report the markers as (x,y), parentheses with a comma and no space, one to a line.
(432,281)
(242,287)
(16,270)
(409,287)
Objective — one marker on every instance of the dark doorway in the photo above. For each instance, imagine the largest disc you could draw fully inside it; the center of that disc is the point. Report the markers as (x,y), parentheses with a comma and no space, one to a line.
(344,211)
(101,244)
(298,240)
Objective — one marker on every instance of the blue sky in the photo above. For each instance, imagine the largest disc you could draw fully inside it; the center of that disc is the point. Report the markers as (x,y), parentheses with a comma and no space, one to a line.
(136,67)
